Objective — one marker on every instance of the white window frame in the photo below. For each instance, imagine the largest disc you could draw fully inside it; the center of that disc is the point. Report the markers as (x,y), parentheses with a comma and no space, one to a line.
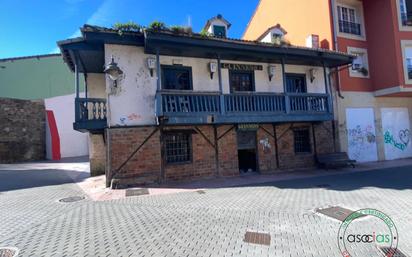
(406,44)
(359,18)
(364,53)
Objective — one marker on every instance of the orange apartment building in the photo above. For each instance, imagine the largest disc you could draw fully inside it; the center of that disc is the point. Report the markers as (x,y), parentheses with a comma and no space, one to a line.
(373,96)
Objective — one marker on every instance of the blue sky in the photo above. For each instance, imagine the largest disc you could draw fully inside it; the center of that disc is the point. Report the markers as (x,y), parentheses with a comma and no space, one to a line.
(31,27)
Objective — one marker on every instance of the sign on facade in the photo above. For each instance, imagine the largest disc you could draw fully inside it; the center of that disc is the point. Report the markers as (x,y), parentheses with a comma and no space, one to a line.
(396,133)
(248,127)
(361,133)
(241,67)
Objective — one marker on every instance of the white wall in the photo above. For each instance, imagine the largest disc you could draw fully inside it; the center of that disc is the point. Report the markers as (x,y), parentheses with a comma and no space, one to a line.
(72,143)
(96,85)
(133,103)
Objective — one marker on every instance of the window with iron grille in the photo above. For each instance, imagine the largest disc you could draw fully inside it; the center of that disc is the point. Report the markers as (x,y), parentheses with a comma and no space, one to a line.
(178,147)
(348,21)
(302,140)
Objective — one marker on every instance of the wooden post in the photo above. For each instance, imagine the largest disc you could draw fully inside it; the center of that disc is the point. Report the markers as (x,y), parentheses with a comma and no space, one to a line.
(216,151)
(276,145)
(76,74)
(221,97)
(328,92)
(287,100)
(315,150)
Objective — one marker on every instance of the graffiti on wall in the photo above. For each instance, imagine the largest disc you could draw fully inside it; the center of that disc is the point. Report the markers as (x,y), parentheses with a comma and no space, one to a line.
(124,120)
(360,128)
(360,138)
(265,145)
(397,135)
(401,143)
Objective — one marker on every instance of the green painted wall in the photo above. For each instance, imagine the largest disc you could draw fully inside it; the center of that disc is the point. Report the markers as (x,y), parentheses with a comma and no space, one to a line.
(36,77)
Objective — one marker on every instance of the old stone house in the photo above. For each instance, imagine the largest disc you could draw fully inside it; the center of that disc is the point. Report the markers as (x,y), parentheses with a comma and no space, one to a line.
(165,105)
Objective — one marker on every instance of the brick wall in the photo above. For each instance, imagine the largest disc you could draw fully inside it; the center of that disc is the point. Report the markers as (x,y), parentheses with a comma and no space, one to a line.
(203,159)
(266,149)
(324,137)
(228,161)
(22,130)
(144,166)
(97,154)
(288,159)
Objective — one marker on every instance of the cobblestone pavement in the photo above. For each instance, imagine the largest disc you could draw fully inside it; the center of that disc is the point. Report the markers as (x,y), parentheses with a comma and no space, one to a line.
(209,224)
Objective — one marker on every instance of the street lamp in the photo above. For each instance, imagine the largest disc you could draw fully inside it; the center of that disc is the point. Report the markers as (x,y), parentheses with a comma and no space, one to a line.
(113,71)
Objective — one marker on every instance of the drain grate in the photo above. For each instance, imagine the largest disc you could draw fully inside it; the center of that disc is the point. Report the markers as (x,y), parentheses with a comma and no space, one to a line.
(336,212)
(201,192)
(257,238)
(72,199)
(8,252)
(137,192)
(387,251)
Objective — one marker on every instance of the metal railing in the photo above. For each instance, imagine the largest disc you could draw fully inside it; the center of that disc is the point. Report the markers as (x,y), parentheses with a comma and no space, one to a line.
(350,27)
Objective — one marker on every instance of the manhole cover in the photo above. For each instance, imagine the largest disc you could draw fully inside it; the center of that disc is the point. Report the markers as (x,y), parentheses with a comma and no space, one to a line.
(8,251)
(137,192)
(387,251)
(336,212)
(201,192)
(257,238)
(72,199)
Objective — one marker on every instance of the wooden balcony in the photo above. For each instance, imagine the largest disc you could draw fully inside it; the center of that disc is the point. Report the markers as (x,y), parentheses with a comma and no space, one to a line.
(90,114)
(187,107)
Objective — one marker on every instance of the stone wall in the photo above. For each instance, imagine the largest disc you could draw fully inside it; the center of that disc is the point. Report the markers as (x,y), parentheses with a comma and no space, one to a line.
(145,166)
(22,130)
(97,154)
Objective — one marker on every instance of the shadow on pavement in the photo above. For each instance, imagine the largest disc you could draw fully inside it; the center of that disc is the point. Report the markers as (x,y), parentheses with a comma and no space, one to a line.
(22,179)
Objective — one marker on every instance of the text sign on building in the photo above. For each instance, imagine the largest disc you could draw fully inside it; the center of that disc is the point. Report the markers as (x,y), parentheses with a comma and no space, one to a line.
(247,127)
(241,67)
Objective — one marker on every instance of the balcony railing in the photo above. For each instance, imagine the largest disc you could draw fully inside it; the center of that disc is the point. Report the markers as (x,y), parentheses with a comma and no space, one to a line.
(198,107)
(349,27)
(90,114)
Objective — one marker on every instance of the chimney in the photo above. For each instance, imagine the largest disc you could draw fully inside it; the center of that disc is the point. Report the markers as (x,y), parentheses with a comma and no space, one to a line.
(312,41)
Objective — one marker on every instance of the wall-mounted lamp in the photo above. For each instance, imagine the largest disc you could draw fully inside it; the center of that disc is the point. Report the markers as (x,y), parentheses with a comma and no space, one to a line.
(151,65)
(271,71)
(212,68)
(113,71)
(312,74)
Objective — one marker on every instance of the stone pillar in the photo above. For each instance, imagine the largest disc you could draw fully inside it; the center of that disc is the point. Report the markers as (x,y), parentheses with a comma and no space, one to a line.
(97,154)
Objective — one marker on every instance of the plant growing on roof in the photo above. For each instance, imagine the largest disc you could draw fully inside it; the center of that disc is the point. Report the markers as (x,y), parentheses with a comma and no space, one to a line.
(129,26)
(181,29)
(157,26)
(205,33)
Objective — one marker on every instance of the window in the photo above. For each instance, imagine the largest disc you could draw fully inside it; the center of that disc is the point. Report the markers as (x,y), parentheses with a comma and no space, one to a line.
(302,140)
(176,77)
(178,147)
(241,81)
(348,21)
(360,66)
(406,12)
(219,31)
(296,83)
(408,59)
